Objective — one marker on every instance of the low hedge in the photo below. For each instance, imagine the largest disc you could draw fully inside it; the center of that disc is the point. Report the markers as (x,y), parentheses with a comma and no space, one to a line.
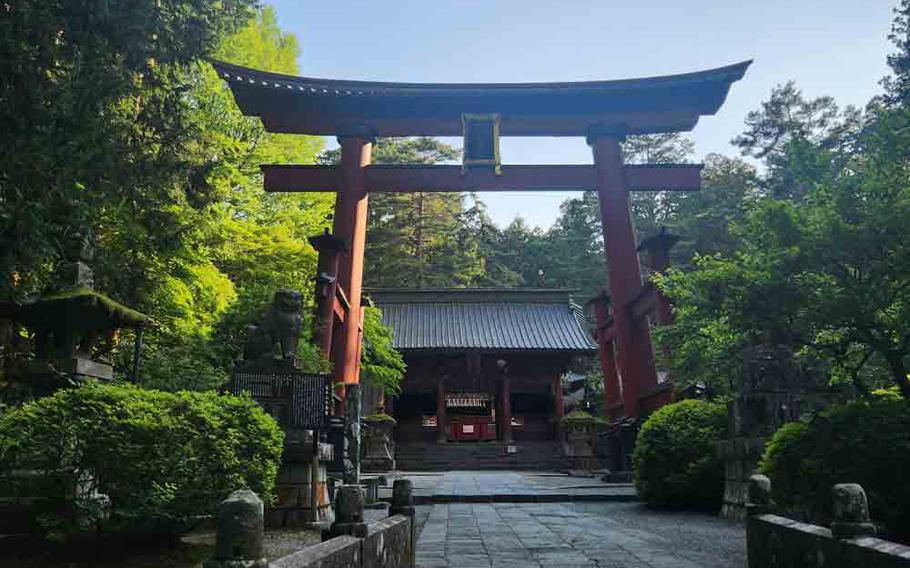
(860,442)
(675,459)
(157,459)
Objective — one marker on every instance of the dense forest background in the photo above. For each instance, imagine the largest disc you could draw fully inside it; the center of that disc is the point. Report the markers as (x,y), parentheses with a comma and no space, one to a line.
(120,131)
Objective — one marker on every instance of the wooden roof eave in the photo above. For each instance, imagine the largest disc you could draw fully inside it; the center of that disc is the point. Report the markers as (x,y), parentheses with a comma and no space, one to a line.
(317,106)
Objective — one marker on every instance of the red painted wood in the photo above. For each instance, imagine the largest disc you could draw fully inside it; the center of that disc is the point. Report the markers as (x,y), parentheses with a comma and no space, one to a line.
(441,411)
(506,418)
(350,224)
(659,260)
(559,408)
(404,179)
(326,290)
(635,354)
(613,404)
(451,125)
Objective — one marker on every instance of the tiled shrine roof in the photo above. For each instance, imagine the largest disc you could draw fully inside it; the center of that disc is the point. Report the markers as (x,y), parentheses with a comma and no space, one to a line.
(484,320)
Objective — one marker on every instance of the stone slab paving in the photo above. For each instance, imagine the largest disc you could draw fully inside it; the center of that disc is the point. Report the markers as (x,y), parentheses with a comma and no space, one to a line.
(510,486)
(612,535)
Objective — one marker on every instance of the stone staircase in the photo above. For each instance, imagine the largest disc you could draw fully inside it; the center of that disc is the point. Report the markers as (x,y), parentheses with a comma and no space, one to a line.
(542,456)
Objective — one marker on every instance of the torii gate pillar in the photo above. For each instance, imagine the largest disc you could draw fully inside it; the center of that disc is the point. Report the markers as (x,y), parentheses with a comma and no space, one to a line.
(635,356)
(350,224)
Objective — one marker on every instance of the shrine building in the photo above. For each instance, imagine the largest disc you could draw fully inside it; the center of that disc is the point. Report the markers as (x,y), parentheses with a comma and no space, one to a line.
(483,364)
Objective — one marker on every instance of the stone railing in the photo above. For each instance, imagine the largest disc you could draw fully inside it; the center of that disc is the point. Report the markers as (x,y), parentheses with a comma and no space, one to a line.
(779,542)
(388,543)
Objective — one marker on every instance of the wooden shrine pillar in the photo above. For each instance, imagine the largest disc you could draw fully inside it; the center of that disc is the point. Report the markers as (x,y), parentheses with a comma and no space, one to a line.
(330,249)
(613,403)
(657,249)
(505,417)
(441,411)
(633,338)
(559,409)
(351,226)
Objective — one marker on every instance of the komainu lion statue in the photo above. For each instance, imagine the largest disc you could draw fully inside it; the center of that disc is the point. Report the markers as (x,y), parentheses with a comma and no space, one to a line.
(280,326)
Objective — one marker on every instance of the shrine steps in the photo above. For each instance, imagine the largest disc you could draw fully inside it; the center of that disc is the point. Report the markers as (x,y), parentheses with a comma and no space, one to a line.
(543,456)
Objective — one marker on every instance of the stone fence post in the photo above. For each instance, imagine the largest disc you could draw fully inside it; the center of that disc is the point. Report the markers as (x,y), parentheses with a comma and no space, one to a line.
(241,522)
(403,504)
(851,512)
(349,505)
(759,500)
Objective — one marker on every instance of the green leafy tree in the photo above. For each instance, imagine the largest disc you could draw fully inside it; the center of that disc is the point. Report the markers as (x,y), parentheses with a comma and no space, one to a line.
(825,274)
(96,123)
(381,364)
(417,239)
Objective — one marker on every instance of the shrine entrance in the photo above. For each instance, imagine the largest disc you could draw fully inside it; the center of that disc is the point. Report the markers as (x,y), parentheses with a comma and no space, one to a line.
(603,112)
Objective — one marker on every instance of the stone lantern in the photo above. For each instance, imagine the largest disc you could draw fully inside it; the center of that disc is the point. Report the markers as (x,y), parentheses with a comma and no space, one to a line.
(76,329)
(378,443)
(580,429)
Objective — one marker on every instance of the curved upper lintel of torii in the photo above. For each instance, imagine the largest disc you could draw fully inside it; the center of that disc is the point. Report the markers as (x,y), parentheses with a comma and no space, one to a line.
(328,107)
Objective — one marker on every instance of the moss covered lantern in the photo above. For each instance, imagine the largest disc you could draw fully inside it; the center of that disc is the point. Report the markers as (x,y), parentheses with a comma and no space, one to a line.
(75,329)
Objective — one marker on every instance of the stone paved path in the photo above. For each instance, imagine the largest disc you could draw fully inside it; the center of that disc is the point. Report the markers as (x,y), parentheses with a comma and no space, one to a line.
(510,484)
(614,535)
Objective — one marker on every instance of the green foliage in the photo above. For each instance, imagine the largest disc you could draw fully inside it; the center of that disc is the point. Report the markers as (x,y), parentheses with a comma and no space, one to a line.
(161,458)
(821,266)
(378,417)
(184,362)
(417,239)
(188,237)
(860,442)
(380,363)
(97,124)
(580,417)
(675,461)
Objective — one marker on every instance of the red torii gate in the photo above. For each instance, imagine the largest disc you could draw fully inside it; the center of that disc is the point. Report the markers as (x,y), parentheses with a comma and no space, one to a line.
(604,112)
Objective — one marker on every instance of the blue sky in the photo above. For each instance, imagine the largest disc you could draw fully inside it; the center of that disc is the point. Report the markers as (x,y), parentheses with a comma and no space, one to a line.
(829,47)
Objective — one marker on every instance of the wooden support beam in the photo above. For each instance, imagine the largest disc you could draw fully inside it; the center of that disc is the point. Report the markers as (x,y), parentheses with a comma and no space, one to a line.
(634,355)
(405,179)
(645,303)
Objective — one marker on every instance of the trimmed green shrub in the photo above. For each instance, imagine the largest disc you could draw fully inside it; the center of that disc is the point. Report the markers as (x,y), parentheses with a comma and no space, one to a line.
(860,442)
(160,458)
(675,459)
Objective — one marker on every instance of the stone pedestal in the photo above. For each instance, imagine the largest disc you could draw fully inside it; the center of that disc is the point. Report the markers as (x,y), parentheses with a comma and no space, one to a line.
(851,512)
(378,444)
(740,456)
(240,532)
(349,505)
(768,395)
(301,488)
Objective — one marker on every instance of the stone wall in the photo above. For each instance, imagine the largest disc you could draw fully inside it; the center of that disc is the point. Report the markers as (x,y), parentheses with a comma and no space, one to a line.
(349,542)
(386,545)
(773,541)
(777,542)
